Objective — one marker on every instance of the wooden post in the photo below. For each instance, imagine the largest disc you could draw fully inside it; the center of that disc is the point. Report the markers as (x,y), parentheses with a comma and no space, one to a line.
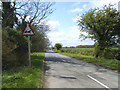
(29,51)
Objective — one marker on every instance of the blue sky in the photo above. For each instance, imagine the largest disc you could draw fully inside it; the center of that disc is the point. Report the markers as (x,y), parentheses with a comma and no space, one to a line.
(64,29)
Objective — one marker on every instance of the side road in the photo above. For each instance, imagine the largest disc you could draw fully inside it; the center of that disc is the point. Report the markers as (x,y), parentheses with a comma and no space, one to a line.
(64,72)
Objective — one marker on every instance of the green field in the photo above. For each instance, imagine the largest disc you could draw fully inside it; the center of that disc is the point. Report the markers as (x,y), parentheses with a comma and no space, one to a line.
(25,77)
(109,54)
(82,51)
(87,54)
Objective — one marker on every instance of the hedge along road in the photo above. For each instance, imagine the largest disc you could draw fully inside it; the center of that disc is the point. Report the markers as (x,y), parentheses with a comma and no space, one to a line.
(65,72)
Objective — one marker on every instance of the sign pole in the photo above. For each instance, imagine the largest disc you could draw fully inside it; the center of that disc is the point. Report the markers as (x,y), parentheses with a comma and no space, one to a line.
(29,51)
(28,32)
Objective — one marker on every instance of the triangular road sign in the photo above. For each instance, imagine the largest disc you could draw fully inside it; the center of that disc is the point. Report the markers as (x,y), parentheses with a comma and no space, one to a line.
(28,31)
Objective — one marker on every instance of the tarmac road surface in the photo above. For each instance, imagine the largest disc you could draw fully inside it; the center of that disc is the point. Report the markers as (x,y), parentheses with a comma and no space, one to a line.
(65,72)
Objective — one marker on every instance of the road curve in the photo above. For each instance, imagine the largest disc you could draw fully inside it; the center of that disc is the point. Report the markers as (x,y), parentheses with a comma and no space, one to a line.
(65,72)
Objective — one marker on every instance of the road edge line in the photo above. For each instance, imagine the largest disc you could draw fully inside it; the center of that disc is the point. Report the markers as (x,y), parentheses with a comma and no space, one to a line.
(99,82)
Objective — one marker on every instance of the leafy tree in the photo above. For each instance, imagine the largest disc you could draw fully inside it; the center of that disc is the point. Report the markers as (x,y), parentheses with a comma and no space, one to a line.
(102,25)
(17,15)
(29,13)
(34,13)
(40,41)
(8,15)
(58,46)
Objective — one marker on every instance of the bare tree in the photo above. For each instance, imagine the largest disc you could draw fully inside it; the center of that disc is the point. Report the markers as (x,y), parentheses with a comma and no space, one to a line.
(33,12)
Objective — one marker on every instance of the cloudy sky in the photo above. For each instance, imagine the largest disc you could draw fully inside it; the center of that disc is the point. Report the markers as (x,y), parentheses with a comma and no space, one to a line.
(63,24)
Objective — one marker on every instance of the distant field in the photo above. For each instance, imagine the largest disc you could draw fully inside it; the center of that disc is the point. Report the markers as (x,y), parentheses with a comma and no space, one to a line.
(82,51)
(90,51)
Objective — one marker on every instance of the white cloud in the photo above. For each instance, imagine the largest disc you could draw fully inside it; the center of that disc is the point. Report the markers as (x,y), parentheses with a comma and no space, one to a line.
(84,6)
(101,3)
(97,3)
(76,10)
(76,18)
(26,19)
(53,25)
(71,38)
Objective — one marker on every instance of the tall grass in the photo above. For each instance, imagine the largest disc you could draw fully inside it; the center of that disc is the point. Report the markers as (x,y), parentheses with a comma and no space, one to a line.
(25,77)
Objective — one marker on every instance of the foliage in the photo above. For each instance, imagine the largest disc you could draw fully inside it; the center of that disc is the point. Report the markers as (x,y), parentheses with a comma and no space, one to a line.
(107,53)
(32,77)
(102,25)
(17,15)
(21,13)
(58,46)
(14,48)
(109,63)
(97,50)
(39,42)
(8,14)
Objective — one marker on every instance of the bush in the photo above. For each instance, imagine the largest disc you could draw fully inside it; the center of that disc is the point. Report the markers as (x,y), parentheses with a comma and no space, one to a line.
(109,54)
(39,42)
(14,48)
(58,46)
(117,54)
(62,50)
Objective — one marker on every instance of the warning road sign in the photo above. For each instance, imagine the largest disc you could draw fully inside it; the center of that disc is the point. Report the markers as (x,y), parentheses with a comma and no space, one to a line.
(28,31)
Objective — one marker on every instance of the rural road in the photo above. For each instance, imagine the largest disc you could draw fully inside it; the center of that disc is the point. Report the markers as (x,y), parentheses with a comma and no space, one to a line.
(65,72)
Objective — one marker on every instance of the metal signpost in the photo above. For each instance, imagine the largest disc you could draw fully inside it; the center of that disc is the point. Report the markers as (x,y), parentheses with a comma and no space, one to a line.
(28,32)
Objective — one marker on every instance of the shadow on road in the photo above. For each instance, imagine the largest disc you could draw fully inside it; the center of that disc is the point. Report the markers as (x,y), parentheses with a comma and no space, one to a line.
(55,58)
(46,67)
(62,60)
(67,77)
(50,52)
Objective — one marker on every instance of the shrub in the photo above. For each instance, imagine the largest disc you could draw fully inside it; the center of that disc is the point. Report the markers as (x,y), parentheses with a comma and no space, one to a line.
(58,46)
(62,50)
(14,48)
(109,54)
(117,54)
(39,42)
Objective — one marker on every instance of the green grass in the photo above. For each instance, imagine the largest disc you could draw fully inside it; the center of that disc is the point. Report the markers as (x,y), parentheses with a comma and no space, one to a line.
(87,51)
(82,51)
(25,77)
(109,63)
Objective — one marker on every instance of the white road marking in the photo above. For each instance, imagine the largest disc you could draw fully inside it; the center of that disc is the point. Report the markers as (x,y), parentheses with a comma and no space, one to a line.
(99,82)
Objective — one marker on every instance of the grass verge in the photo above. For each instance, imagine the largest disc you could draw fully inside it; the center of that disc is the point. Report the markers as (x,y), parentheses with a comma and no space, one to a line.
(25,77)
(108,63)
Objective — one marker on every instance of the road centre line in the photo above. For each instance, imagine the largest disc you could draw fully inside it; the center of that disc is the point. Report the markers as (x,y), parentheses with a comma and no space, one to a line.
(99,82)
